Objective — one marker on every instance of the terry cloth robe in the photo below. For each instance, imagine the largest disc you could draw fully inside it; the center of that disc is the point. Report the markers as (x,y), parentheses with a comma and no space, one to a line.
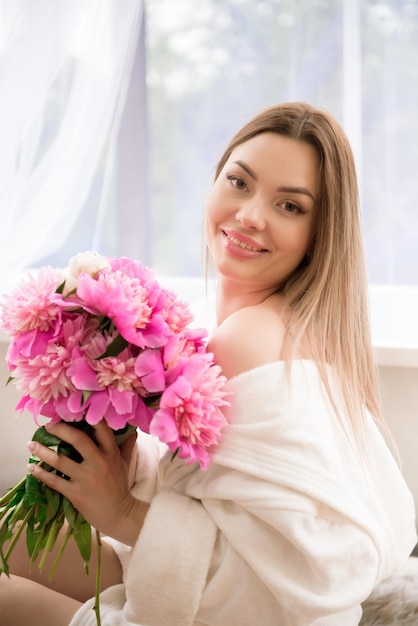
(289,526)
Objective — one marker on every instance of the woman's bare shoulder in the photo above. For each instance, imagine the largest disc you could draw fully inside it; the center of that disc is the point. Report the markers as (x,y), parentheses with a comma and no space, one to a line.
(249,338)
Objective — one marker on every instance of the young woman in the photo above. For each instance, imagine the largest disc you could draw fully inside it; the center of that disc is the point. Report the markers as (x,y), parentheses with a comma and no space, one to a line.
(303,509)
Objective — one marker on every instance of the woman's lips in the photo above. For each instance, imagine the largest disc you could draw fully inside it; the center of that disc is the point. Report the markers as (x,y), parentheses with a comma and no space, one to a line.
(244,242)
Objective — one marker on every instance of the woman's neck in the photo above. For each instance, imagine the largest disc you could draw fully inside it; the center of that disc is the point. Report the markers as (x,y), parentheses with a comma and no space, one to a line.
(231,297)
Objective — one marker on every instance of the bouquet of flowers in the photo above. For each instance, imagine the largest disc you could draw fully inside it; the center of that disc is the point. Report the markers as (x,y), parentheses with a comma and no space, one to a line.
(101,339)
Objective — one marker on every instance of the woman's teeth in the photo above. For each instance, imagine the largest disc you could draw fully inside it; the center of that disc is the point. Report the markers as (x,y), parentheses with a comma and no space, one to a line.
(244,245)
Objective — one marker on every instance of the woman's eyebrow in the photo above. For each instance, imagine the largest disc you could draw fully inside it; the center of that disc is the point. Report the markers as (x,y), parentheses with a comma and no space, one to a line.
(248,169)
(301,190)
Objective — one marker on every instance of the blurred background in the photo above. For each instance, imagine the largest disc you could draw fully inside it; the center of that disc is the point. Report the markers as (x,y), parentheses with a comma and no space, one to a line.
(113,114)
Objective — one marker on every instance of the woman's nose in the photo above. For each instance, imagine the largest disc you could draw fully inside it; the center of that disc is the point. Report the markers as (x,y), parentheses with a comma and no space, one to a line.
(252,214)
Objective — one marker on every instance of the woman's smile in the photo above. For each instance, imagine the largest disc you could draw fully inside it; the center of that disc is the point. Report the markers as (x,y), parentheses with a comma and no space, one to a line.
(234,238)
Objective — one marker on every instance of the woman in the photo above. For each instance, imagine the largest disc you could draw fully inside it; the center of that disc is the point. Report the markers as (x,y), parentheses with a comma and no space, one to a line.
(303,509)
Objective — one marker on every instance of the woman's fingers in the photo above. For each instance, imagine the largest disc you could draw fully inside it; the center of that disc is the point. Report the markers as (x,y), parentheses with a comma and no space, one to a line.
(105,437)
(60,463)
(77,438)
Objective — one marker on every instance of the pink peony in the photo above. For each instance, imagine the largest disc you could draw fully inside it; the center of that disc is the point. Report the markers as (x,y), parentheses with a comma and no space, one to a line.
(30,306)
(43,373)
(175,312)
(190,417)
(44,377)
(132,268)
(125,301)
(182,346)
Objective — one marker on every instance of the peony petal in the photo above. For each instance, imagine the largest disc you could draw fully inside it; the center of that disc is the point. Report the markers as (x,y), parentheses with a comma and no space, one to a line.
(115,420)
(98,404)
(83,376)
(122,401)
(193,454)
(75,401)
(149,368)
(174,394)
(142,416)
(70,412)
(164,426)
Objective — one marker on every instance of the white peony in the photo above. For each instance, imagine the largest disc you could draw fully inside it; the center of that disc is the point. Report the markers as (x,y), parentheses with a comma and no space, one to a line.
(83,263)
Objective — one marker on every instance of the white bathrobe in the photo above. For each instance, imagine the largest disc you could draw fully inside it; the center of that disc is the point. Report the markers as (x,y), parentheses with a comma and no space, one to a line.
(287,527)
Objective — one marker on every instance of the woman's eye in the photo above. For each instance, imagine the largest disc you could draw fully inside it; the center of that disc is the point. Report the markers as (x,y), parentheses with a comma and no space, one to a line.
(237,182)
(291,207)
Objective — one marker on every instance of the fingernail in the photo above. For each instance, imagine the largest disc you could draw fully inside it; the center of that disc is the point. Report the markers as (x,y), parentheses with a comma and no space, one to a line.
(31,445)
(30,468)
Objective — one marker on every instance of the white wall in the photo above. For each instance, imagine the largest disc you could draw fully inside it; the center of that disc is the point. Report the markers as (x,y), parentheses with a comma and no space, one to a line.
(399,388)
(15,430)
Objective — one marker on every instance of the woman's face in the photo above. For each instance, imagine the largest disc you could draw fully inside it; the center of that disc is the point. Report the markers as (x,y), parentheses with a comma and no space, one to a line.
(261,210)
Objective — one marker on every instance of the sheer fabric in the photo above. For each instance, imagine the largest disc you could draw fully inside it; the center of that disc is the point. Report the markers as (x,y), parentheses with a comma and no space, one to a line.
(64,73)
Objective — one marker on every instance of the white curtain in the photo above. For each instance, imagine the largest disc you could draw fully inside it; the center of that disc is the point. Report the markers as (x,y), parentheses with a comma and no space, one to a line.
(65,67)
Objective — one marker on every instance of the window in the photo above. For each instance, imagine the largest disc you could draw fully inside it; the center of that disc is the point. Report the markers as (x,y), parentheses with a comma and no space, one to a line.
(213,63)
(113,118)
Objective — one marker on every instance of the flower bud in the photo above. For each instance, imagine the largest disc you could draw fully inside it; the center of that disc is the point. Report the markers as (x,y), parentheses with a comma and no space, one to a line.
(83,263)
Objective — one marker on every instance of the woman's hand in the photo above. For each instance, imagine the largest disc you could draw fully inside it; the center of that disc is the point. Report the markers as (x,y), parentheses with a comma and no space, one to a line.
(98,486)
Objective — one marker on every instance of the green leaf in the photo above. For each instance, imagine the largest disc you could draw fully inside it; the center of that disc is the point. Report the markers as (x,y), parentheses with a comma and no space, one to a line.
(82,536)
(81,530)
(33,491)
(4,568)
(18,513)
(53,502)
(105,324)
(85,395)
(114,348)
(52,529)
(42,436)
(122,434)
(36,530)
(60,288)
(5,533)
(12,497)
(70,512)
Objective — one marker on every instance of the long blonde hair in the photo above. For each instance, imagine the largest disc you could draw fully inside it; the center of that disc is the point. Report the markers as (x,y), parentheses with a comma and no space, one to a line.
(327,293)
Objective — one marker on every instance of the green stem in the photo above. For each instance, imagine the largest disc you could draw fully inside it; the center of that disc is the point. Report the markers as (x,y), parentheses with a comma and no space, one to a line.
(50,542)
(4,500)
(98,573)
(67,536)
(36,549)
(18,533)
